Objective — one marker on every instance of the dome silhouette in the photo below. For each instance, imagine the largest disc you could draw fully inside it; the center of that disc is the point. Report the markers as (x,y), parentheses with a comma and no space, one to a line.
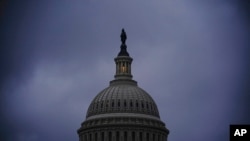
(123,98)
(123,111)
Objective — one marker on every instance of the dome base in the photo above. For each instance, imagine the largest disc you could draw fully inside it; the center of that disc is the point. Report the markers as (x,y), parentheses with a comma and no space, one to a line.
(123,129)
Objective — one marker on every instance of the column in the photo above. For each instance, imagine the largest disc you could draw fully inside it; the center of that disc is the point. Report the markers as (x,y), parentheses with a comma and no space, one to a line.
(156,137)
(125,135)
(129,68)
(159,137)
(126,67)
(116,63)
(106,135)
(144,136)
(119,66)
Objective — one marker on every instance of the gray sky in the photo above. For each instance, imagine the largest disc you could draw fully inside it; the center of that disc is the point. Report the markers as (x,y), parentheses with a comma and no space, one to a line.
(191,56)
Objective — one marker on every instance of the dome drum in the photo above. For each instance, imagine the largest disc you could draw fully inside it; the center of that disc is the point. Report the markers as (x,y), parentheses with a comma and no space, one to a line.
(123,134)
(123,122)
(123,125)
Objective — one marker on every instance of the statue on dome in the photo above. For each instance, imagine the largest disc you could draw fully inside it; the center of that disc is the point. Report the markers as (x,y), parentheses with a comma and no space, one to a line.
(123,36)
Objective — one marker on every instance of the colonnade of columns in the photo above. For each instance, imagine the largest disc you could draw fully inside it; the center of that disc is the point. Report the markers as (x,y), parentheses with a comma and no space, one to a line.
(123,67)
(123,135)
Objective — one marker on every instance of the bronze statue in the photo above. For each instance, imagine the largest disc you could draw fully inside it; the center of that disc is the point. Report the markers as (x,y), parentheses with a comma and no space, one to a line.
(123,36)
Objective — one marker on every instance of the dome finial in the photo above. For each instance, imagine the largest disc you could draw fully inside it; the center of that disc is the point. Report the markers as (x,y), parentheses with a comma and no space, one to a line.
(123,36)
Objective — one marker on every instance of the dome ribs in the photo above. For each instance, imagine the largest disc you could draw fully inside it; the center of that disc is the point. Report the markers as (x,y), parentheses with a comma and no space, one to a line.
(123,99)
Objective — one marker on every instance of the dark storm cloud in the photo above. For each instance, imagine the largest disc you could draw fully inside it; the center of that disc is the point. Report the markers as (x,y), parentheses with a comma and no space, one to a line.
(57,55)
(12,58)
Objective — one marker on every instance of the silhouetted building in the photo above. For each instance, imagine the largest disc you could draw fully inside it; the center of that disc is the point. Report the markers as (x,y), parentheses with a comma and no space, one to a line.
(123,111)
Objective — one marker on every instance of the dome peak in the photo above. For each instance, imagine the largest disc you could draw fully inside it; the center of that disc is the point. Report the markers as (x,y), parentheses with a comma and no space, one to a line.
(123,61)
(123,51)
(123,36)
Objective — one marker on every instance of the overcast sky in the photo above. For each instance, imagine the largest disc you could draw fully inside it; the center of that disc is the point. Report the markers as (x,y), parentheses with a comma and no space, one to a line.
(191,56)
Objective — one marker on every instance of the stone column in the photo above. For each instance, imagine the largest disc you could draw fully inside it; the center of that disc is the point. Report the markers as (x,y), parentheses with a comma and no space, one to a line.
(127,67)
(105,135)
(129,135)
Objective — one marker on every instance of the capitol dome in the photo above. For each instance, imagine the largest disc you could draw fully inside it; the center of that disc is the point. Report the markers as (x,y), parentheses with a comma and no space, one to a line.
(123,111)
(123,98)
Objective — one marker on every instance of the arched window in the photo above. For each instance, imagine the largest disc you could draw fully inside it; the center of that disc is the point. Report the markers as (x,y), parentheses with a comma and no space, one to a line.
(113,103)
(107,104)
(142,105)
(97,105)
(123,68)
(118,103)
(125,104)
(101,104)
